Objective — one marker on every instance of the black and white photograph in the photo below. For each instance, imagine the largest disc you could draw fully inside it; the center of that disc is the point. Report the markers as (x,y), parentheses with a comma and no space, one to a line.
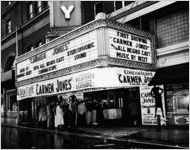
(95,74)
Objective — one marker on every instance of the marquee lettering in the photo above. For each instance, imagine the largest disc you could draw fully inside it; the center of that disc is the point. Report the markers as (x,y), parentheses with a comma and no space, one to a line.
(44,89)
(129,79)
(38,57)
(64,85)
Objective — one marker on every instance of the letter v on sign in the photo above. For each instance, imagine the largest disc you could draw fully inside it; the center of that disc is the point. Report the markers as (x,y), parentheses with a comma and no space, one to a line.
(68,11)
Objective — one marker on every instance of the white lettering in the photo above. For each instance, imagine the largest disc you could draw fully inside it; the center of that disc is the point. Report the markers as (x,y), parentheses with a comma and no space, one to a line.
(68,11)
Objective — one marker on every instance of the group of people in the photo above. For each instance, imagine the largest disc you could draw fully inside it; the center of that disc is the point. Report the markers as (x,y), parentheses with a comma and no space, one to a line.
(65,113)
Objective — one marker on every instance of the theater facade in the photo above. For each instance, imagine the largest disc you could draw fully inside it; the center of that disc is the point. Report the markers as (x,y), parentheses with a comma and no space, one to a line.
(103,60)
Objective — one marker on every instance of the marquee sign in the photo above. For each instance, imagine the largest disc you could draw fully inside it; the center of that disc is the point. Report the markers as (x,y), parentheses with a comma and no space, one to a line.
(73,52)
(130,47)
(92,45)
(94,78)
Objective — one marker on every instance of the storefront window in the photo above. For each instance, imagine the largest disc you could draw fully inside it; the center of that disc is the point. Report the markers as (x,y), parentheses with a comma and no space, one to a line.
(13,103)
(177,103)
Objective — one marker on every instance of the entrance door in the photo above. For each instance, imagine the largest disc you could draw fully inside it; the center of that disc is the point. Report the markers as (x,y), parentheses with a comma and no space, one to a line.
(133,115)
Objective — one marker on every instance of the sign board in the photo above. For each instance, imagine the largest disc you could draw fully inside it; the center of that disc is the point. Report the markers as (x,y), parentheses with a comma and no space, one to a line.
(73,52)
(181,119)
(94,78)
(128,46)
(148,107)
(65,13)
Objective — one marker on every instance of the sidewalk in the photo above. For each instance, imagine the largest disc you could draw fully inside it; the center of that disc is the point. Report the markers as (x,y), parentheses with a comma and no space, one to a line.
(173,137)
(166,137)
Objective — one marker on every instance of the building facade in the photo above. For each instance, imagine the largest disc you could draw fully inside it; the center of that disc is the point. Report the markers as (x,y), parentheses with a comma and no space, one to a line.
(25,26)
(90,66)
(168,21)
(17,37)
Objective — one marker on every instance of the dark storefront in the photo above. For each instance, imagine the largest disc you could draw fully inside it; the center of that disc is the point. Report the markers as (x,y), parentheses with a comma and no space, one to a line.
(176,84)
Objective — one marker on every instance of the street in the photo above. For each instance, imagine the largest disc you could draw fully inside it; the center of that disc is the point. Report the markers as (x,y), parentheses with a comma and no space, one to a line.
(33,138)
(29,138)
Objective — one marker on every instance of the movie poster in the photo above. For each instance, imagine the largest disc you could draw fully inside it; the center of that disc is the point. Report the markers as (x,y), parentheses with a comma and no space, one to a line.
(152,105)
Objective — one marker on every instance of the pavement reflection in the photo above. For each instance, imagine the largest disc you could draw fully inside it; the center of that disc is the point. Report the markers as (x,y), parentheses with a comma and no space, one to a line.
(25,139)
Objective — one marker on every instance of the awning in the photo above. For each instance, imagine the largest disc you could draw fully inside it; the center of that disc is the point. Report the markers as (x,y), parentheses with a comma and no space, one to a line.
(174,74)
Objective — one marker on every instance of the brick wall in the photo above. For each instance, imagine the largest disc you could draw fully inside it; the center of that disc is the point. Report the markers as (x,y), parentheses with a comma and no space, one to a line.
(173,28)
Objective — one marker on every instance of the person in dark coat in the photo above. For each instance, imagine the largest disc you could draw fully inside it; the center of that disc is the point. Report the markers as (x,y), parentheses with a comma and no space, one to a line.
(156,92)
(43,116)
(50,116)
(73,111)
(65,107)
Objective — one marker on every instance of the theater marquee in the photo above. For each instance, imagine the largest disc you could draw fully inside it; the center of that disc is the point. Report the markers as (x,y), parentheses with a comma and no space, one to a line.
(81,59)
(73,52)
(130,47)
(92,79)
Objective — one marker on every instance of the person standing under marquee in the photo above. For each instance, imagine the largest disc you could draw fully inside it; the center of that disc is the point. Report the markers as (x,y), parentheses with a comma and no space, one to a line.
(156,92)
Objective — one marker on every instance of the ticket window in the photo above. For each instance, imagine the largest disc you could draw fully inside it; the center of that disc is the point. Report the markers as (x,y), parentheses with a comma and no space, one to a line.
(115,100)
(112,107)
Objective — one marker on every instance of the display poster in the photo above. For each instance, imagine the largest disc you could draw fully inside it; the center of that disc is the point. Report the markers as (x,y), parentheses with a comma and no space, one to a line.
(128,46)
(152,105)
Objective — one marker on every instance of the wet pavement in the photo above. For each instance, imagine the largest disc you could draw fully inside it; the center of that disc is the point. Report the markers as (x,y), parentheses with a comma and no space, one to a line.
(93,138)
(171,137)
(28,138)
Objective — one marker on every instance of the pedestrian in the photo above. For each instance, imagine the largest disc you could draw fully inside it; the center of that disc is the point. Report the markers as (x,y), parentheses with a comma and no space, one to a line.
(59,115)
(94,112)
(43,116)
(156,92)
(65,107)
(89,108)
(50,116)
(81,113)
(133,110)
(73,110)
(100,115)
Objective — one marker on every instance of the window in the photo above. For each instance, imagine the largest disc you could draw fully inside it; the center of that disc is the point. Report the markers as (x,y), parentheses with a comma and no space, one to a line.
(8,26)
(39,6)
(30,48)
(30,11)
(9,63)
(98,7)
(118,5)
(121,4)
(39,43)
(45,4)
(177,102)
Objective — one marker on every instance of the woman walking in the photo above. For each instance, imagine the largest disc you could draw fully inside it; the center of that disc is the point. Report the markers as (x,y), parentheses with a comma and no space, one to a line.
(59,115)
